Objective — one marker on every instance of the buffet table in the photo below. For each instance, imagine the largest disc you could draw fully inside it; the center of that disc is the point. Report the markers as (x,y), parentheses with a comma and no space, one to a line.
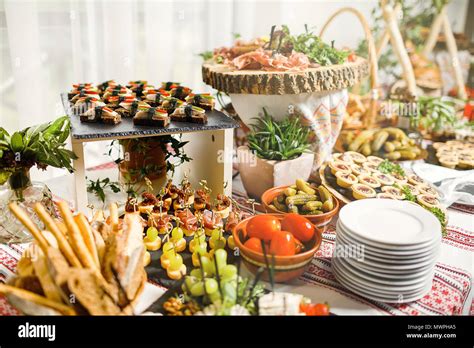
(451,292)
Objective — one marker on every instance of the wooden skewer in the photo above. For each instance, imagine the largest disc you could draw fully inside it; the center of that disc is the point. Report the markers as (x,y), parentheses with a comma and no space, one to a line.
(63,244)
(75,237)
(30,225)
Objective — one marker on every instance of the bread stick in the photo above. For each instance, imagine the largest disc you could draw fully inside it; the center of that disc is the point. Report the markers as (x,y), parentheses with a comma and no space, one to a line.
(30,225)
(63,243)
(86,232)
(35,298)
(75,237)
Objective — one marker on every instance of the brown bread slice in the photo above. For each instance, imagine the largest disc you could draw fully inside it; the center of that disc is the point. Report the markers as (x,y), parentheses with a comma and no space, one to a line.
(90,292)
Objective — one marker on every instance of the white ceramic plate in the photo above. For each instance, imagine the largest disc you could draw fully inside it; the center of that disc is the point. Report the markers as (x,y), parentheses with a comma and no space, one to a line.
(390,221)
(387,247)
(381,290)
(383,281)
(374,297)
(383,272)
(389,254)
(372,255)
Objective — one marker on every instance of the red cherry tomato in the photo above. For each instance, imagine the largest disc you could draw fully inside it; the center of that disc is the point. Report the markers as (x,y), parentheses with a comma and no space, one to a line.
(254,244)
(283,244)
(263,227)
(299,246)
(320,309)
(299,226)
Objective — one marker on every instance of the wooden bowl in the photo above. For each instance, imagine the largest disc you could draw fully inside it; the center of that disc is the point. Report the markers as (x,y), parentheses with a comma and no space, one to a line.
(321,220)
(286,267)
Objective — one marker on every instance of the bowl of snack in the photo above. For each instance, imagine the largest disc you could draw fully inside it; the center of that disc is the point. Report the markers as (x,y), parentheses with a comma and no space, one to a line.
(316,203)
(285,243)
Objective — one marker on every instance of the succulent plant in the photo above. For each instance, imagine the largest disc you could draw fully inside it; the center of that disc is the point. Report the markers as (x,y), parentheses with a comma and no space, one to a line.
(279,141)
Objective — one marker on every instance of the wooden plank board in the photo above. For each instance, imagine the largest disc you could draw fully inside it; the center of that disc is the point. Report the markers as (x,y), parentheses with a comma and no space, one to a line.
(324,78)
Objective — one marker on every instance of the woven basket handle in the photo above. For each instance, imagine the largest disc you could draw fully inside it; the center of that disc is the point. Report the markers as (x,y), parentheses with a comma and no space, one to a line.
(368,36)
(369,117)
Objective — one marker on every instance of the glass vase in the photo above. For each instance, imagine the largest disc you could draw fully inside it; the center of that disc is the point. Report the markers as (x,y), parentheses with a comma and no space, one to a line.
(26,194)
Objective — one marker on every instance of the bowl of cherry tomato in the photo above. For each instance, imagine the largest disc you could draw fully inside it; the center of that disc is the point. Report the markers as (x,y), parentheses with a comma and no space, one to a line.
(321,216)
(285,242)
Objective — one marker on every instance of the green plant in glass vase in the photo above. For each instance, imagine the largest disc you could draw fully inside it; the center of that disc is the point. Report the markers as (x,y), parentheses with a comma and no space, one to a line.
(41,146)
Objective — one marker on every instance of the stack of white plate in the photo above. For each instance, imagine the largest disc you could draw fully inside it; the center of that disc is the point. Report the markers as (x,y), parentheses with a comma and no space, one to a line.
(386,249)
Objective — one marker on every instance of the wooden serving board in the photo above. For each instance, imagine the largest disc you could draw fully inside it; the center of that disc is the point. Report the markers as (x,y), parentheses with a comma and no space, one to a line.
(325,78)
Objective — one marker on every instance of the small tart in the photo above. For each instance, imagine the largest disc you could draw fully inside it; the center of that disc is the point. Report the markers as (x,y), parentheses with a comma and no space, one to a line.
(425,188)
(441,153)
(374,159)
(385,195)
(393,191)
(400,179)
(339,166)
(412,189)
(415,179)
(466,163)
(384,179)
(356,157)
(454,142)
(448,161)
(371,166)
(427,200)
(346,180)
(343,157)
(368,180)
(358,170)
(361,191)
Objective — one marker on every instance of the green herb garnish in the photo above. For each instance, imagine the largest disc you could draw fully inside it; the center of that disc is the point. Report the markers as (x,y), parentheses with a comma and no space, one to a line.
(440,214)
(317,51)
(409,196)
(206,55)
(441,217)
(388,167)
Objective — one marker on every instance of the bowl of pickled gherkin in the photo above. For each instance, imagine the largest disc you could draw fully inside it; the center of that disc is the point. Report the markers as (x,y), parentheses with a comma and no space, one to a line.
(315,203)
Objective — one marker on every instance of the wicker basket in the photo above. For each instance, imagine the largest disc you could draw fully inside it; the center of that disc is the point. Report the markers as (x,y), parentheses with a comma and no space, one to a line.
(369,114)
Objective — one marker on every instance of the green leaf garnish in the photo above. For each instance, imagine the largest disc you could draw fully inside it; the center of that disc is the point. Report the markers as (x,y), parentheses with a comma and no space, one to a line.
(441,216)
(388,167)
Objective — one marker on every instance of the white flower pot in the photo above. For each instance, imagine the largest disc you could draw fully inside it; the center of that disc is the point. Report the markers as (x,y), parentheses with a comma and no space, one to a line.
(323,112)
(259,175)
